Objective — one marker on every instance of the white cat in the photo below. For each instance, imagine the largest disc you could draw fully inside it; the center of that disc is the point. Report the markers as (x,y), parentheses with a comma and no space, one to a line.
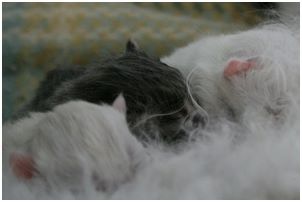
(249,73)
(76,146)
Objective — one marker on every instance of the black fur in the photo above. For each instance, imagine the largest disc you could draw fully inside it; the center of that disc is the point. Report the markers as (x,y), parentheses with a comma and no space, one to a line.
(148,85)
(53,80)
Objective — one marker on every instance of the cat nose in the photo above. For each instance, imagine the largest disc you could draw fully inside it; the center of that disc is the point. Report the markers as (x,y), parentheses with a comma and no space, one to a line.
(198,120)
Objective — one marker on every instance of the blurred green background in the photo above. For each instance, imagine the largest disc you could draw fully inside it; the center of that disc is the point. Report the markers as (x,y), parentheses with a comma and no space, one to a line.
(38,37)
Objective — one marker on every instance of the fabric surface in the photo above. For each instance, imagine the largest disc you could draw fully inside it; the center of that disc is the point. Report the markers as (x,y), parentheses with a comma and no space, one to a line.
(38,37)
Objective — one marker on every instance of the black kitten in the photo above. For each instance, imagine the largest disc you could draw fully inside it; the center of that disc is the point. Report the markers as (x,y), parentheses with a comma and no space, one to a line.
(155,93)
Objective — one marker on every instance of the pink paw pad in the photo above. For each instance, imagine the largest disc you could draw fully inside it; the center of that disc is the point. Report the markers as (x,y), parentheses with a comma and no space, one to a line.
(235,67)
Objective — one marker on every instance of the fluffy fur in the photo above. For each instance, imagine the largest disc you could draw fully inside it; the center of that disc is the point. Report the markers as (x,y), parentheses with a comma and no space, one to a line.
(250,147)
(269,88)
(75,147)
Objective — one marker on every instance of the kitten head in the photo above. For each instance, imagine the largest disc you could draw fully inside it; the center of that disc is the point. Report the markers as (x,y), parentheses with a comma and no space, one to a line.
(78,143)
(251,71)
(156,94)
(175,116)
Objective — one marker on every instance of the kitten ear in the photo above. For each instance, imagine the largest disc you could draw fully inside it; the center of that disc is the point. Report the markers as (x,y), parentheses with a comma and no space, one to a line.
(131,46)
(235,67)
(22,165)
(120,104)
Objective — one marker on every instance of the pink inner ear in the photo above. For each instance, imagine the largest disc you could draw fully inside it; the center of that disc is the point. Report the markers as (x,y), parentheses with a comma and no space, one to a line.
(235,67)
(22,165)
(120,104)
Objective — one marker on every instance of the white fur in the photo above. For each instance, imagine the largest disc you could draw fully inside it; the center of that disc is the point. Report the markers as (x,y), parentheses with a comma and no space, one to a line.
(265,165)
(77,142)
(270,149)
(273,84)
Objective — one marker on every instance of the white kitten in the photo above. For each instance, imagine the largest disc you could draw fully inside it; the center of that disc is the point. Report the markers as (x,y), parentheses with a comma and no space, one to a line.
(251,72)
(77,146)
